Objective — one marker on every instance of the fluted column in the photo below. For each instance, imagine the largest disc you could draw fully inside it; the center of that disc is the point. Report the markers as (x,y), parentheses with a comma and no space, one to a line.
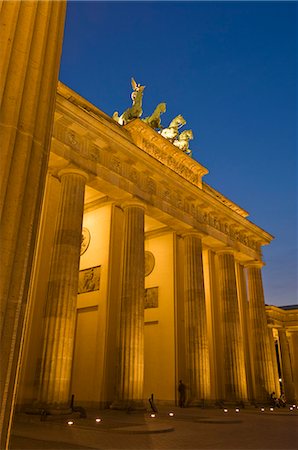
(60,313)
(274,361)
(131,370)
(287,377)
(30,40)
(234,365)
(262,356)
(197,353)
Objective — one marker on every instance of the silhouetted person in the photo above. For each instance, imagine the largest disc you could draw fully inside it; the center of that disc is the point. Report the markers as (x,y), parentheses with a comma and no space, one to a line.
(182,394)
(274,400)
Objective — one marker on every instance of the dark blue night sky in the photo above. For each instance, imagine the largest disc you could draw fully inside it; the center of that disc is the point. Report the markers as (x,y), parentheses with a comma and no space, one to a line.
(230,69)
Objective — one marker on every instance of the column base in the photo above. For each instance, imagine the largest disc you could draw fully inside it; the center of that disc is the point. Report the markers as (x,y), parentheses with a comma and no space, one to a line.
(128,405)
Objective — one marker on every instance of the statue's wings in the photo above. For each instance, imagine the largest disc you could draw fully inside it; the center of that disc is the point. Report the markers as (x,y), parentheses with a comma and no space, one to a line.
(133,84)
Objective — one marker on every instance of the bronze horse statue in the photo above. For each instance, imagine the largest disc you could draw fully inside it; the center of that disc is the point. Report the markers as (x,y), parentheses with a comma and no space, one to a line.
(172,131)
(154,120)
(182,141)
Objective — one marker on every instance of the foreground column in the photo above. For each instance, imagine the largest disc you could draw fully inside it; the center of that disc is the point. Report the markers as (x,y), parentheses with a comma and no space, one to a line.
(287,377)
(60,315)
(234,365)
(262,356)
(197,354)
(30,41)
(131,352)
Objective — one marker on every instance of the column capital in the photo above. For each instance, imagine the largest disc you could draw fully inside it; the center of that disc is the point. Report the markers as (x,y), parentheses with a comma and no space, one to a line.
(133,202)
(225,251)
(256,264)
(194,233)
(72,171)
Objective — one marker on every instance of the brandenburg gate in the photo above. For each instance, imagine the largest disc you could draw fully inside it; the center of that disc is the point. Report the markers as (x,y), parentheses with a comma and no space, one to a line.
(143,275)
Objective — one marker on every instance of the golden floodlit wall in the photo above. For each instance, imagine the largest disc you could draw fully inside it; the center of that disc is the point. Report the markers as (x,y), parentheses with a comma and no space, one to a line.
(159,354)
(87,376)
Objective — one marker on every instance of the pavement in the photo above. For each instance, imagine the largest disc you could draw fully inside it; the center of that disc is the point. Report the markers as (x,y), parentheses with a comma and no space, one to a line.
(187,428)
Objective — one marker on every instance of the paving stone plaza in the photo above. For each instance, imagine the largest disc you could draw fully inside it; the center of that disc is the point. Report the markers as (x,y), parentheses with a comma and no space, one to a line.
(188,428)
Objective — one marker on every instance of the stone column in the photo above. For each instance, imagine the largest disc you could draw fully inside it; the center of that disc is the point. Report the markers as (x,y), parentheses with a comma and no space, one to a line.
(131,346)
(287,377)
(60,313)
(30,40)
(274,361)
(197,353)
(264,373)
(234,364)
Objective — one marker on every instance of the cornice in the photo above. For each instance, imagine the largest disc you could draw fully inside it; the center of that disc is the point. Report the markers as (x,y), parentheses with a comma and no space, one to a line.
(224,200)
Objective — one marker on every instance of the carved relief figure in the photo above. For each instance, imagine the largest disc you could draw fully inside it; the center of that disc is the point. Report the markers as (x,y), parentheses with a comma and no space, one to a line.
(154,120)
(172,131)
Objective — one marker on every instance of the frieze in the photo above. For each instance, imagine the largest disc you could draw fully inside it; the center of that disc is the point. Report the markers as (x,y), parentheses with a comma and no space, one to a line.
(88,150)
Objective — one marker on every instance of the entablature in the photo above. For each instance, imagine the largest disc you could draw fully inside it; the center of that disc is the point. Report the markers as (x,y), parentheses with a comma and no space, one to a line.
(95,143)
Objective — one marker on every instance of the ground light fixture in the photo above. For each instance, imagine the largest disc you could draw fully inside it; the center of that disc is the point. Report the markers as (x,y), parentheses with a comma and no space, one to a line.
(225,410)
(70,422)
(262,409)
(237,410)
(171,414)
(97,420)
(271,409)
(152,415)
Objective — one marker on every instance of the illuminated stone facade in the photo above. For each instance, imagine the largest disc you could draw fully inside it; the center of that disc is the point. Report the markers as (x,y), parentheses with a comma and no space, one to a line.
(152,225)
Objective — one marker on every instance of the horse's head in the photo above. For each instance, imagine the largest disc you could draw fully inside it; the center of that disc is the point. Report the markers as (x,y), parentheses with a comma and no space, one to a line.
(162,107)
(178,121)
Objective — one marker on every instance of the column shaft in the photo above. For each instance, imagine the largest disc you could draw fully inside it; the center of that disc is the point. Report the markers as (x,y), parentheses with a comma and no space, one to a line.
(264,373)
(287,376)
(197,353)
(30,41)
(60,314)
(234,365)
(130,392)
(274,361)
